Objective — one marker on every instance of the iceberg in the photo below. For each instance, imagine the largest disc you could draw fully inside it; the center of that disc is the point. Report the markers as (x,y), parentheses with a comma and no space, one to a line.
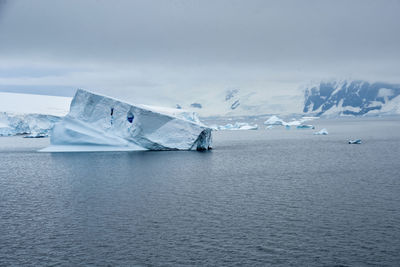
(238,126)
(355,142)
(274,120)
(101,123)
(322,132)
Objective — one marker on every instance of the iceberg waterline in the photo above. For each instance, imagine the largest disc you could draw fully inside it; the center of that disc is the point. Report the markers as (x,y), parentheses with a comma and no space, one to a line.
(100,123)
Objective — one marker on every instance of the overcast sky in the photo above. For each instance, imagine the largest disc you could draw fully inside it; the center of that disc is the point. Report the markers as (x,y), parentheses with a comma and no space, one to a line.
(163,52)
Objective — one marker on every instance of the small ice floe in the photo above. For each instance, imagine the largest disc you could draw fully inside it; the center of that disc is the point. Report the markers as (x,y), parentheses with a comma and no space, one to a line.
(355,141)
(322,132)
(238,126)
(269,127)
(213,127)
(305,126)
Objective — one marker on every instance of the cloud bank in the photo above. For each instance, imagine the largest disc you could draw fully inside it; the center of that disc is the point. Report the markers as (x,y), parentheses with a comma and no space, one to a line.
(165,52)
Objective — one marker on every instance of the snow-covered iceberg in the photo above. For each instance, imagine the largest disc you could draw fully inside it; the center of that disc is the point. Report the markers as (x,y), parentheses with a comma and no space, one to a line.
(100,123)
(238,126)
(322,132)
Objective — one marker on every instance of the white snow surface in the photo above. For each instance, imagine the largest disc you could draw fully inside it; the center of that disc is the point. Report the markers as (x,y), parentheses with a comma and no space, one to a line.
(30,114)
(100,123)
(34,104)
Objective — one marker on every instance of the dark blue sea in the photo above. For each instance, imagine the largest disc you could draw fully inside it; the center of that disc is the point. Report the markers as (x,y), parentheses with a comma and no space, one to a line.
(272,197)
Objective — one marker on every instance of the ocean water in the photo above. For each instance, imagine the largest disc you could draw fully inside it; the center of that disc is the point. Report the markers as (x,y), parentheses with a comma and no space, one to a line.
(259,198)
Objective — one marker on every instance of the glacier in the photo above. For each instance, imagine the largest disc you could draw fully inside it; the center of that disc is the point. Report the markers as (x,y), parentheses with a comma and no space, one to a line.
(33,124)
(30,114)
(100,123)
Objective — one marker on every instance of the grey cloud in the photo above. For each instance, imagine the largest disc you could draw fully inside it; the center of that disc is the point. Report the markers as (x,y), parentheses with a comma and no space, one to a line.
(203,31)
(177,49)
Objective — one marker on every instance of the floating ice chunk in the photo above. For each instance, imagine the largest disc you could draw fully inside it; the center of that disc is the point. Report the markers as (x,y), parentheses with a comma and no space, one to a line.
(100,123)
(305,126)
(248,127)
(269,127)
(292,123)
(238,126)
(274,120)
(356,141)
(322,132)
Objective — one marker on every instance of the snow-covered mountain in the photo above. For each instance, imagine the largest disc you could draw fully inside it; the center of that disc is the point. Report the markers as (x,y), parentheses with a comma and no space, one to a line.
(352,98)
(240,102)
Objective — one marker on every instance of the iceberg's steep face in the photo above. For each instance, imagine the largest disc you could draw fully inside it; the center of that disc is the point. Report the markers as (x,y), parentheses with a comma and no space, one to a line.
(97,122)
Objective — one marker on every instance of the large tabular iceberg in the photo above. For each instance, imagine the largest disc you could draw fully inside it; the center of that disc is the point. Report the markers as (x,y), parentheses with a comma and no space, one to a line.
(100,123)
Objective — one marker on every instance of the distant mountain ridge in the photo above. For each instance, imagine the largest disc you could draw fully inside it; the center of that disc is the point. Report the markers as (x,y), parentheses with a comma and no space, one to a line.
(352,98)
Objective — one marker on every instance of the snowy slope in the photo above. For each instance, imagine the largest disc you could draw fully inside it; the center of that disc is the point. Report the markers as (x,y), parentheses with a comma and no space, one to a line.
(240,102)
(34,104)
(351,98)
(30,114)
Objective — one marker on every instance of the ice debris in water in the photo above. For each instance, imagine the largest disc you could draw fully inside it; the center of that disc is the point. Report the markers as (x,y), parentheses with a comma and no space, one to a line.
(356,141)
(305,126)
(269,127)
(100,123)
(238,126)
(322,132)
(274,120)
